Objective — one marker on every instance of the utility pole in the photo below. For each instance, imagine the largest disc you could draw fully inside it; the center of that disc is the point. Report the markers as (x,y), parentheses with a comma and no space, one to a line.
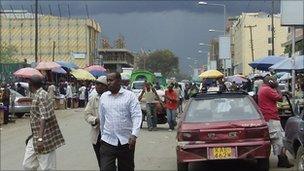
(36,31)
(272,28)
(53,55)
(251,41)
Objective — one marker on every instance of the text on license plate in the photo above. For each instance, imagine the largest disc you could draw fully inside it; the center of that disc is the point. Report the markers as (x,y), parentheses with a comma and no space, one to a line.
(222,153)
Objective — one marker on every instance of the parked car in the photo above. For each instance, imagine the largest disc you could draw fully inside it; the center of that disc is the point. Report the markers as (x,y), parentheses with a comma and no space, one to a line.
(19,104)
(222,126)
(294,139)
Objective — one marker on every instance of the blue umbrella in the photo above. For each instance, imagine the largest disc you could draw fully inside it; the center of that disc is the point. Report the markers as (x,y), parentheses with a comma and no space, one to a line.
(68,65)
(264,63)
(287,64)
(59,70)
(98,73)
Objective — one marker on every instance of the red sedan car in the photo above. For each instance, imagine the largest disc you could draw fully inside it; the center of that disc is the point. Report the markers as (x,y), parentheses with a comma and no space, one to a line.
(222,126)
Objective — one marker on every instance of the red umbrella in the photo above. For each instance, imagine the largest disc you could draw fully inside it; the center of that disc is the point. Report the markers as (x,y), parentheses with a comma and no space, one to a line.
(96,68)
(27,72)
(47,65)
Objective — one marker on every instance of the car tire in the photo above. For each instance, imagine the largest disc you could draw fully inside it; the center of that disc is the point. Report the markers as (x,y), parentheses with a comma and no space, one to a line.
(182,166)
(19,115)
(300,159)
(263,164)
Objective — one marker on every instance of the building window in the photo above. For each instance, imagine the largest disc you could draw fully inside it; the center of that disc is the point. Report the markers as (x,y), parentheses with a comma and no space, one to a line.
(289,30)
(269,52)
(269,40)
(269,27)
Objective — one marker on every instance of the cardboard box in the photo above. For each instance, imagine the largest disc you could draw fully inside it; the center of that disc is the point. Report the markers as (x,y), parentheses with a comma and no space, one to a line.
(60,103)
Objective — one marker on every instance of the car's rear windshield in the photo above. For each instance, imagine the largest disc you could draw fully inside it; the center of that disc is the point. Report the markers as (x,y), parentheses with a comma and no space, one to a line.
(221,109)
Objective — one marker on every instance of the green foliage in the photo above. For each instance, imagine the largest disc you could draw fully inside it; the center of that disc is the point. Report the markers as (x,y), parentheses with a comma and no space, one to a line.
(298,47)
(163,61)
(7,52)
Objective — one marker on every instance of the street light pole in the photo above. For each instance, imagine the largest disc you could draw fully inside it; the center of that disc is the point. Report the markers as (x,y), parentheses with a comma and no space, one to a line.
(36,31)
(224,6)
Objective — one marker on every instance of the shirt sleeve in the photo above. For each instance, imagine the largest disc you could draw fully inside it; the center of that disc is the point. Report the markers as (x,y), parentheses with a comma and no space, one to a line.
(88,112)
(274,95)
(136,115)
(101,115)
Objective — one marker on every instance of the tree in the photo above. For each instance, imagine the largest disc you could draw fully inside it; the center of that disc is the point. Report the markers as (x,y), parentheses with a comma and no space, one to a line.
(7,52)
(163,61)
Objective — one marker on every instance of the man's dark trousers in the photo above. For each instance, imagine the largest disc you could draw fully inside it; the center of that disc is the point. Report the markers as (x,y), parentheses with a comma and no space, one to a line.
(96,150)
(109,153)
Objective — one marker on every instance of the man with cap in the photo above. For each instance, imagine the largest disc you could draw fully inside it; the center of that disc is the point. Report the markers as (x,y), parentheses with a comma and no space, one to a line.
(91,114)
(46,135)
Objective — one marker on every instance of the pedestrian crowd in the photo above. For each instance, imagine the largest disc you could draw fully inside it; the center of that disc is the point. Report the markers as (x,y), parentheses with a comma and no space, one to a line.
(115,116)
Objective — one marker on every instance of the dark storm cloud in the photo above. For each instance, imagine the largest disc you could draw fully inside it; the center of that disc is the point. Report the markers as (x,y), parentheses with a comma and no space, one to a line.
(78,8)
(176,25)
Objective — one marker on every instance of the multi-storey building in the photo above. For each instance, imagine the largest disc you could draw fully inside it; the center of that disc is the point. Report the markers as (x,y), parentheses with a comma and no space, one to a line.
(260,23)
(59,38)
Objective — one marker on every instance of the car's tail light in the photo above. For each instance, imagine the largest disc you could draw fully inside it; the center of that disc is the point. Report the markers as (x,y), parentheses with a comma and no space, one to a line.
(257,133)
(24,101)
(188,136)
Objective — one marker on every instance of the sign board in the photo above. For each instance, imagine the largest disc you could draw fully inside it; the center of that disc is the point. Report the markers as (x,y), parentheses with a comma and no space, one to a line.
(78,55)
(224,47)
(292,12)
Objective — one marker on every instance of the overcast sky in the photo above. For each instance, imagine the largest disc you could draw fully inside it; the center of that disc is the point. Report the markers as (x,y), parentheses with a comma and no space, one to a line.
(177,25)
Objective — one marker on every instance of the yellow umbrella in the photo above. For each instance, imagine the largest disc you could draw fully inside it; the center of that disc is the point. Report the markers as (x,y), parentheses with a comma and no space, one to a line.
(211,74)
(81,74)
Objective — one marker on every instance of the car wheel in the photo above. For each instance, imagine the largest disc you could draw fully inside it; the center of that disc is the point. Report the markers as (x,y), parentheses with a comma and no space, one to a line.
(19,115)
(263,164)
(300,159)
(182,166)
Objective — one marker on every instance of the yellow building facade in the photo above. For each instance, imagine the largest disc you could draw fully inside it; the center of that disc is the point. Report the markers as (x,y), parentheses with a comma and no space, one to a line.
(261,37)
(59,38)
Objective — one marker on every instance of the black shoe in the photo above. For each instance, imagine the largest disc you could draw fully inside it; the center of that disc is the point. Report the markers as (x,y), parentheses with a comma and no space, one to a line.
(283,162)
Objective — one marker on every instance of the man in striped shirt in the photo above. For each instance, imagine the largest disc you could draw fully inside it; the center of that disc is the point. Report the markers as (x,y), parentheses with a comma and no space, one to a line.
(120,120)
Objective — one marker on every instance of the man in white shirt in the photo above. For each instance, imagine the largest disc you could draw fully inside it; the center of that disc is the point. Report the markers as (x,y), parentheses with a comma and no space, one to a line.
(120,120)
(69,95)
(82,90)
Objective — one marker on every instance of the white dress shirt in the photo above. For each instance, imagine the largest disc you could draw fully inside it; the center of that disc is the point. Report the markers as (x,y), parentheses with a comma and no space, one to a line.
(69,93)
(120,116)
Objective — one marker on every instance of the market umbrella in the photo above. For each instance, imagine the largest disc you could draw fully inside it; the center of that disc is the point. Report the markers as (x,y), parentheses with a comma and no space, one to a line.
(237,79)
(27,72)
(211,74)
(81,74)
(96,68)
(47,65)
(264,63)
(287,64)
(97,73)
(68,65)
(59,70)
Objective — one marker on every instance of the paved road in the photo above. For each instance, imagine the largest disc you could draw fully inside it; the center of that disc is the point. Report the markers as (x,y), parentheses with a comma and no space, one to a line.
(154,151)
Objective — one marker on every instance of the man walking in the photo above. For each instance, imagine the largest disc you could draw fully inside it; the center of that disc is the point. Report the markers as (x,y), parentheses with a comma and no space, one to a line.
(46,135)
(120,120)
(92,117)
(69,96)
(268,96)
(171,104)
(150,95)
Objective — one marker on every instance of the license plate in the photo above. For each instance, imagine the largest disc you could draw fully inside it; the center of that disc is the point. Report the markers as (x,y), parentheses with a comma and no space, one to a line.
(221,153)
